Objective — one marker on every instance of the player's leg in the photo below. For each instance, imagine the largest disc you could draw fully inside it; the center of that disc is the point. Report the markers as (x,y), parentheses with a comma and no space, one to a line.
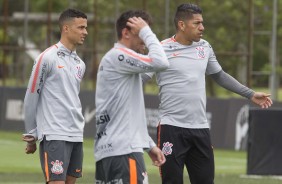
(170,141)
(200,159)
(126,169)
(75,164)
(70,180)
(54,160)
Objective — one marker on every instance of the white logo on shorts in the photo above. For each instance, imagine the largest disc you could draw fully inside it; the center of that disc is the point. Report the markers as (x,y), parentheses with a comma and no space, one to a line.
(57,167)
(145,181)
(167,150)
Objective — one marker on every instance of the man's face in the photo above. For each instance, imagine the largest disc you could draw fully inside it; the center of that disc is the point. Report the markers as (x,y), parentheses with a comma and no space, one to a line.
(137,44)
(194,28)
(77,31)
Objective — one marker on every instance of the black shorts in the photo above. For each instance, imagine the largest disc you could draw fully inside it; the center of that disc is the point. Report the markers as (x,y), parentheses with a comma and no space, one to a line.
(61,158)
(189,147)
(125,169)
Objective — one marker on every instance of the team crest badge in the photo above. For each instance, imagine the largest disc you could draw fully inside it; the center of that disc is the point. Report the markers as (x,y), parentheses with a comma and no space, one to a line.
(167,150)
(79,72)
(57,167)
(200,52)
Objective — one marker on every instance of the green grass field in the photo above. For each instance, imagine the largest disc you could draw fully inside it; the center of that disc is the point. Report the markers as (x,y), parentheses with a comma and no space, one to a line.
(16,167)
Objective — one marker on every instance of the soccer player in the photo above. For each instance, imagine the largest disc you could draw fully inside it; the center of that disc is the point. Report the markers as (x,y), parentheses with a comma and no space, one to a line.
(53,113)
(120,113)
(183,132)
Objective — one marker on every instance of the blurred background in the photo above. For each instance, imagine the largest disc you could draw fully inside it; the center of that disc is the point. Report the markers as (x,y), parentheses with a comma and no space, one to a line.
(245,35)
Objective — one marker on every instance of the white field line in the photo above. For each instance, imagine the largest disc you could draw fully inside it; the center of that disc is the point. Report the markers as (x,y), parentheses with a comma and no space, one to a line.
(237,160)
(261,177)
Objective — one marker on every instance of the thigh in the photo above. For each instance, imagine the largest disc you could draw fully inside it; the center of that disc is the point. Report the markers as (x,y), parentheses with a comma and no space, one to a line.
(200,159)
(170,141)
(54,159)
(126,169)
(76,160)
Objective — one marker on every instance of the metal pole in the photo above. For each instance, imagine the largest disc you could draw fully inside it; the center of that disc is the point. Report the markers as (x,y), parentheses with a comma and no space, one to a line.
(116,16)
(95,34)
(167,16)
(49,23)
(26,2)
(3,68)
(273,76)
(144,4)
(250,44)
(25,39)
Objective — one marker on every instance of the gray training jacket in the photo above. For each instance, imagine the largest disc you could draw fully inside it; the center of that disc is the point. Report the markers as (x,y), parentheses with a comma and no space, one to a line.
(120,111)
(52,106)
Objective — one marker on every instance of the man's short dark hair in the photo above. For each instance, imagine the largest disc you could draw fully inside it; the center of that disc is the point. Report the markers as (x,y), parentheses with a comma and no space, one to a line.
(70,14)
(185,12)
(122,20)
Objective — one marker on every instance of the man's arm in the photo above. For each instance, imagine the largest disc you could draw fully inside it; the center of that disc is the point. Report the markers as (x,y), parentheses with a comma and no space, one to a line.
(133,62)
(155,154)
(230,83)
(146,77)
(35,85)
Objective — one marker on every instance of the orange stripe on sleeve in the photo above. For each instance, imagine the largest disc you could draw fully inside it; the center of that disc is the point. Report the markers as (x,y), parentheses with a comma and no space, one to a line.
(132,171)
(37,70)
(168,40)
(135,55)
(46,166)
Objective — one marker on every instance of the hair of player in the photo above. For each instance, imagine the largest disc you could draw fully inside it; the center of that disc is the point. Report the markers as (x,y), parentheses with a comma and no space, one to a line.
(123,18)
(69,14)
(186,12)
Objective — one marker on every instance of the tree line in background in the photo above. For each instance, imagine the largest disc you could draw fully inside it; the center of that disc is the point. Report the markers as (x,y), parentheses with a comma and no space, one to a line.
(226,28)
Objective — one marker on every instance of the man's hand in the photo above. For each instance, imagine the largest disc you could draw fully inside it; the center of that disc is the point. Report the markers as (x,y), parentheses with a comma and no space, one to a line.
(31,144)
(136,24)
(262,99)
(157,156)
(30,148)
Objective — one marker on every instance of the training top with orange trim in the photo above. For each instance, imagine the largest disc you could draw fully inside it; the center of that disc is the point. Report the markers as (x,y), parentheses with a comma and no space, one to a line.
(120,111)
(52,106)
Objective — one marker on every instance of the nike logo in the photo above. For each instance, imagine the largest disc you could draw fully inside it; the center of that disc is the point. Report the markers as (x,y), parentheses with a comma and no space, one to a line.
(175,54)
(77,170)
(61,66)
(89,115)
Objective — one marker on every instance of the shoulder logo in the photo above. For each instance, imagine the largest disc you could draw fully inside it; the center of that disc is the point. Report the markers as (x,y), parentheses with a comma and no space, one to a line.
(201,52)
(57,167)
(77,60)
(176,54)
(61,66)
(121,57)
(167,148)
(60,54)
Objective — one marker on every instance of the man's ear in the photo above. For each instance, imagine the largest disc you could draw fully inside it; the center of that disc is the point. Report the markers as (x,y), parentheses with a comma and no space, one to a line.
(125,33)
(181,25)
(65,28)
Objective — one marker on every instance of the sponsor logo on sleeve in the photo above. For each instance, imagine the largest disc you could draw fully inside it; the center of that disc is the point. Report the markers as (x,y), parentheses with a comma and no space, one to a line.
(121,57)
(41,80)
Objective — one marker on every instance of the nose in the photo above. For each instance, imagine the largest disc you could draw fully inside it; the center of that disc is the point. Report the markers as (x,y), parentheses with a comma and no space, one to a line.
(85,32)
(202,28)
